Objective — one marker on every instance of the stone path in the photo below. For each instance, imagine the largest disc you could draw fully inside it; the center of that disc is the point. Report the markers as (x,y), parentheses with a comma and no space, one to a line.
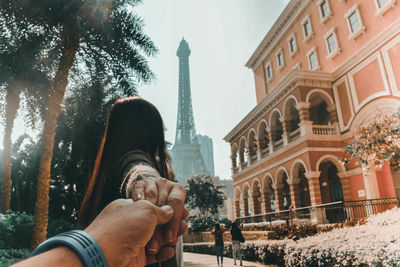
(202,260)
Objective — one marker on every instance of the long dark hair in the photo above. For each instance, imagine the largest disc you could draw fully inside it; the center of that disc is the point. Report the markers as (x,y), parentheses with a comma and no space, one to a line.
(133,124)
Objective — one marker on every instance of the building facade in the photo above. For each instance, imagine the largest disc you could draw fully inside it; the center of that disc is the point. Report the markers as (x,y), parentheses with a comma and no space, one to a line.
(325,68)
(207,151)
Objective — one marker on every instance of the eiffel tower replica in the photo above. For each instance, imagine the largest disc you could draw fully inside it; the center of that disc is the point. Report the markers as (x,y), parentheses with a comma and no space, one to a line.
(186,154)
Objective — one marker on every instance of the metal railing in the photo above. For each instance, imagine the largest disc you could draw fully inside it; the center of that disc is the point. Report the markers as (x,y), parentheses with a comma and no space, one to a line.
(334,212)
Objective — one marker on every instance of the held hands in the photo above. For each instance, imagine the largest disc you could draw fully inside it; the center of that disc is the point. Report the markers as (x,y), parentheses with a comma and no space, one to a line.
(160,192)
(124,228)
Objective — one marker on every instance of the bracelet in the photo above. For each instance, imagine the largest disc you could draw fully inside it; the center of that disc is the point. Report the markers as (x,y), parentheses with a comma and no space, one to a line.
(78,241)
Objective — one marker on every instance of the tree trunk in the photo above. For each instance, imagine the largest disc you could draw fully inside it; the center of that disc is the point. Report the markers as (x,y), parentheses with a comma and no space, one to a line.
(12,105)
(70,46)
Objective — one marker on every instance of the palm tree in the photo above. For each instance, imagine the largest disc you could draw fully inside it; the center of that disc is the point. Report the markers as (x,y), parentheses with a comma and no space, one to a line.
(18,74)
(106,36)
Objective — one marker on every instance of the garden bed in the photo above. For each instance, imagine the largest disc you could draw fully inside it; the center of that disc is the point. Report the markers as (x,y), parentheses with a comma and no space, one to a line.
(375,243)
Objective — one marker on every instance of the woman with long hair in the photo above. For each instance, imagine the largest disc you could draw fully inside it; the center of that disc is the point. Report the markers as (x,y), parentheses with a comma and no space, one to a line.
(133,162)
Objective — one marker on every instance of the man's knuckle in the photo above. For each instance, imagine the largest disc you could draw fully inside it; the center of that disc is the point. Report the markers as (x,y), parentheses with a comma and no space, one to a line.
(151,193)
(176,199)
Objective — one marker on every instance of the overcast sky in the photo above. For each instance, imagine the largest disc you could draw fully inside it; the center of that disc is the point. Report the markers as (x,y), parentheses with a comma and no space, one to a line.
(222,35)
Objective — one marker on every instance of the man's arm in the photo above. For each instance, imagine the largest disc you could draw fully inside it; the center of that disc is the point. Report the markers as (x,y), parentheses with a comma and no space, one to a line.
(60,257)
(122,230)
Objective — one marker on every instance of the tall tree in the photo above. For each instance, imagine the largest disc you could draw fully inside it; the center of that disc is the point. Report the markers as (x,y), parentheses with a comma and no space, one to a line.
(204,195)
(105,34)
(19,73)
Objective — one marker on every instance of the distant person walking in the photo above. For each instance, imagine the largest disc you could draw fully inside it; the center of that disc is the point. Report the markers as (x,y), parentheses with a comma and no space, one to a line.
(237,238)
(219,242)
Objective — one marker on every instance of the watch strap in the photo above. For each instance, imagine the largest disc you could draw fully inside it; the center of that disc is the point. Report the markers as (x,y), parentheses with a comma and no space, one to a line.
(78,241)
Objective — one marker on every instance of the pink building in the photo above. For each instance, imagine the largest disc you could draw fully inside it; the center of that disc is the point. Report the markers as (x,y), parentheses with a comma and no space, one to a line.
(325,68)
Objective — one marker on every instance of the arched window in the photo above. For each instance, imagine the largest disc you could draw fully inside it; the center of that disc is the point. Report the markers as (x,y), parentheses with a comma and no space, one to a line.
(319,113)
(276,130)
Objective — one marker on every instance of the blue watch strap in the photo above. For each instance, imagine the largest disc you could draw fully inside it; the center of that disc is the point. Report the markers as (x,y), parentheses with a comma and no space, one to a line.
(78,241)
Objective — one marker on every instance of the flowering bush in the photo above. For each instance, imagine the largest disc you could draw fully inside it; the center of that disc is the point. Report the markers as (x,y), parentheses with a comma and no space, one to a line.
(378,141)
(375,243)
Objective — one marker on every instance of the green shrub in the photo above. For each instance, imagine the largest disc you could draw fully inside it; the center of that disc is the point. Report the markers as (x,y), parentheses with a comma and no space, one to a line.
(201,224)
(16,229)
(11,256)
(58,226)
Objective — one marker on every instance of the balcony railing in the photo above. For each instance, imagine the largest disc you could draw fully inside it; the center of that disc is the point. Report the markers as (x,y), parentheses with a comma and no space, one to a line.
(334,212)
(294,135)
(278,144)
(324,130)
(265,151)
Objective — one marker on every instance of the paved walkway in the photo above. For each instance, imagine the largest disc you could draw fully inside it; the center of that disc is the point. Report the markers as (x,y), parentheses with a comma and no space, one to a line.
(202,260)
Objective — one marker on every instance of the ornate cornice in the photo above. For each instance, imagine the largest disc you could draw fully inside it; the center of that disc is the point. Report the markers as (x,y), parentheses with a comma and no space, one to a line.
(283,23)
(293,79)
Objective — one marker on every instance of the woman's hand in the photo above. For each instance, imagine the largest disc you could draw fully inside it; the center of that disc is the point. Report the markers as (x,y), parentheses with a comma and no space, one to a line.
(160,192)
(124,228)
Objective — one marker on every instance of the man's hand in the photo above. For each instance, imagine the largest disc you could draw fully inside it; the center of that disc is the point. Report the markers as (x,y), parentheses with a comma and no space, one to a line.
(161,191)
(124,228)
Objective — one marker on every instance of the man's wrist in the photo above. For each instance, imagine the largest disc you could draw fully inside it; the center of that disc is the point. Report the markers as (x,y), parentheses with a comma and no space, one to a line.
(80,242)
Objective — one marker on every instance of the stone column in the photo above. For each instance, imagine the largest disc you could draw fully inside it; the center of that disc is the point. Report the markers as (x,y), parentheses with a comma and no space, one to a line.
(370,182)
(334,117)
(285,133)
(234,165)
(304,112)
(317,215)
(237,208)
(279,197)
(345,181)
(294,192)
(305,124)
(333,113)
(313,185)
(271,143)
(258,149)
(248,155)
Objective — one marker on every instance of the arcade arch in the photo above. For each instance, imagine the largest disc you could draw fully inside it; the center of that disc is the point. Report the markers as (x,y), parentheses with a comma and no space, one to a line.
(320,102)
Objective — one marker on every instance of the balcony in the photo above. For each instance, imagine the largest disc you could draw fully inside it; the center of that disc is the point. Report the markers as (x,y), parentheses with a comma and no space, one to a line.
(307,130)
(324,130)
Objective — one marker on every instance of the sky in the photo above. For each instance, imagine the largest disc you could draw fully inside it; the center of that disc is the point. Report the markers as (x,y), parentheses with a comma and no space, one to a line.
(222,35)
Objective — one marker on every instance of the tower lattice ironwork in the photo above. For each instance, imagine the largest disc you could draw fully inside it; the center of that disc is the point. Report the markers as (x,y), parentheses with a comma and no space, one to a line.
(186,154)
